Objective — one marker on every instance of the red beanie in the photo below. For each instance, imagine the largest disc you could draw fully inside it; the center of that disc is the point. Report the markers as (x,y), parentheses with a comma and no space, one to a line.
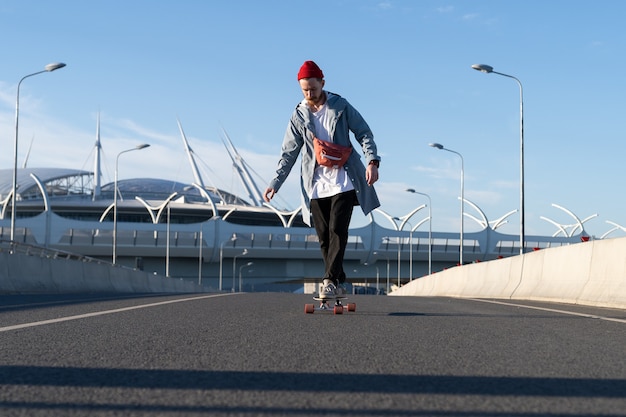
(310,70)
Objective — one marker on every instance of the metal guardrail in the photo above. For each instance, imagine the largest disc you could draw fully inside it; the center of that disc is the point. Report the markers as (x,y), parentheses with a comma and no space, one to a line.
(33,250)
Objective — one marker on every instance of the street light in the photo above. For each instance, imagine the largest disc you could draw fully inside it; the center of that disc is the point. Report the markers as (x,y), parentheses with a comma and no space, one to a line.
(167,234)
(240,268)
(487,69)
(377,278)
(245,252)
(200,237)
(440,146)
(117,159)
(410,248)
(399,253)
(386,257)
(430,229)
(48,68)
(233,238)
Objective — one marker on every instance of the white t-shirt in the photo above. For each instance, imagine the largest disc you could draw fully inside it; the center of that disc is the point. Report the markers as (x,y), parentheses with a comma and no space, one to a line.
(327,181)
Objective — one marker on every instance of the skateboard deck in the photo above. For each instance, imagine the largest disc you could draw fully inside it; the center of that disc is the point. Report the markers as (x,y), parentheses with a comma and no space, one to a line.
(337,308)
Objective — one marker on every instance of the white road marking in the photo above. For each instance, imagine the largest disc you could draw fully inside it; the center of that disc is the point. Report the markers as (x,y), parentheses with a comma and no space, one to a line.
(101,313)
(572,313)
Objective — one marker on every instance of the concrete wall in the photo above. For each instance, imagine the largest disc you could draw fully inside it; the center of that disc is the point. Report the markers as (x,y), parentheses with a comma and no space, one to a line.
(25,273)
(589,273)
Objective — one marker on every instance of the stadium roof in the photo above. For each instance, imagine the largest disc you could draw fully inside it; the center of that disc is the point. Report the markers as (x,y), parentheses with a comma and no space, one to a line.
(63,182)
(27,185)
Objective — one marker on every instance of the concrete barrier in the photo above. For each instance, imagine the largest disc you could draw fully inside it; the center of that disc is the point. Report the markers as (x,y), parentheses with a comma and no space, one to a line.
(28,273)
(606,284)
(34,273)
(98,277)
(589,273)
(63,274)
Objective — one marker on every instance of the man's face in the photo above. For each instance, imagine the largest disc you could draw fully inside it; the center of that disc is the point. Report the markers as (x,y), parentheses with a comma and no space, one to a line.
(312,90)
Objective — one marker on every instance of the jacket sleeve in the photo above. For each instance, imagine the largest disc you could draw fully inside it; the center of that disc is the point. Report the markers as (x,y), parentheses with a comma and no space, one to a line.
(292,144)
(362,133)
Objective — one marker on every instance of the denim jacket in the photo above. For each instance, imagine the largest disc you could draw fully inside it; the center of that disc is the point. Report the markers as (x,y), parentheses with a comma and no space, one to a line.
(299,138)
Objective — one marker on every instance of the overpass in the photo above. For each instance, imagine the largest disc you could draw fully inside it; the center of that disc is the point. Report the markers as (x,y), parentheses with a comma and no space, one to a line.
(212,252)
(589,273)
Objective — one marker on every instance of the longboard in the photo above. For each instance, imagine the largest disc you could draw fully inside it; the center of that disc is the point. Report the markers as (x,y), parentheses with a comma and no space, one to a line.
(337,308)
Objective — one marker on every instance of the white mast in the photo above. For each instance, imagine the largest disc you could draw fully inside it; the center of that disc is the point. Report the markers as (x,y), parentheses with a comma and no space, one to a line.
(28,153)
(242,169)
(97,174)
(192,161)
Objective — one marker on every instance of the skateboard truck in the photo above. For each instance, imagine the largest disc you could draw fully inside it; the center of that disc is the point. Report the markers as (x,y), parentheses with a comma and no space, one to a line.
(337,308)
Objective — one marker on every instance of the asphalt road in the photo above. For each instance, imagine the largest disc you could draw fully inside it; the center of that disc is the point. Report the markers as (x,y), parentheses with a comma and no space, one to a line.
(260,355)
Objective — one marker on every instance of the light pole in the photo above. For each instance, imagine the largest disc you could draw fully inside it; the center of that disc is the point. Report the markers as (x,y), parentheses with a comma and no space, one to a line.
(487,69)
(167,243)
(232,239)
(115,191)
(440,146)
(245,252)
(399,255)
(48,68)
(410,249)
(430,229)
(200,256)
(240,268)
(167,234)
(386,257)
(399,259)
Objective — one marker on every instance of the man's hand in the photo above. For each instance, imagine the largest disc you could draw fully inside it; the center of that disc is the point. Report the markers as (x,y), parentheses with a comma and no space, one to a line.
(268,194)
(371,174)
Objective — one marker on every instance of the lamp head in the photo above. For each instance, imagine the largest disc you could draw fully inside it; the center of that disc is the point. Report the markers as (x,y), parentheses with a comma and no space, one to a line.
(54,66)
(142,146)
(483,68)
(436,145)
(410,190)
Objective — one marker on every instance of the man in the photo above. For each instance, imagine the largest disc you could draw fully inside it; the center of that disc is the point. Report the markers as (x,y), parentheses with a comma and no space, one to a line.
(329,193)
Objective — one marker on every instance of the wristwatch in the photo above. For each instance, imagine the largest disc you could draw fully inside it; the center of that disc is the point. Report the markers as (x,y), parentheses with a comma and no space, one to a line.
(375,162)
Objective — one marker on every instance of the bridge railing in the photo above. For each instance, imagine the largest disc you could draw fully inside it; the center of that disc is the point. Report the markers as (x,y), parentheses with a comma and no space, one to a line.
(34,250)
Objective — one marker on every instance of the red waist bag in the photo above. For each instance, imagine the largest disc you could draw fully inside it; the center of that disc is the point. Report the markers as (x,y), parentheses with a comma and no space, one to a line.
(330,154)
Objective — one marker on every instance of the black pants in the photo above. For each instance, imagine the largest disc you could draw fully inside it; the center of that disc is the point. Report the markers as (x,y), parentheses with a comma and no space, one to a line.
(331,219)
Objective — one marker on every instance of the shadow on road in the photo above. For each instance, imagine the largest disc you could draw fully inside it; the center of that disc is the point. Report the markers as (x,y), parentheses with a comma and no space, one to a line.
(310,382)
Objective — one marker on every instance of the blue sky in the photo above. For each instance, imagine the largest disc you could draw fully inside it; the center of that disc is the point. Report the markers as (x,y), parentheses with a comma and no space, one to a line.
(405,65)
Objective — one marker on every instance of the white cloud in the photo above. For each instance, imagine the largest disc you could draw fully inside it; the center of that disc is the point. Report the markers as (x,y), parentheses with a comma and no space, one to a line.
(470,16)
(445,9)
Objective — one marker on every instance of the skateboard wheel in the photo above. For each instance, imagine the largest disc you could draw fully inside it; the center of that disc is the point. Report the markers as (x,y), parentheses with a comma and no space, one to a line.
(338,310)
(309,308)
(351,306)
